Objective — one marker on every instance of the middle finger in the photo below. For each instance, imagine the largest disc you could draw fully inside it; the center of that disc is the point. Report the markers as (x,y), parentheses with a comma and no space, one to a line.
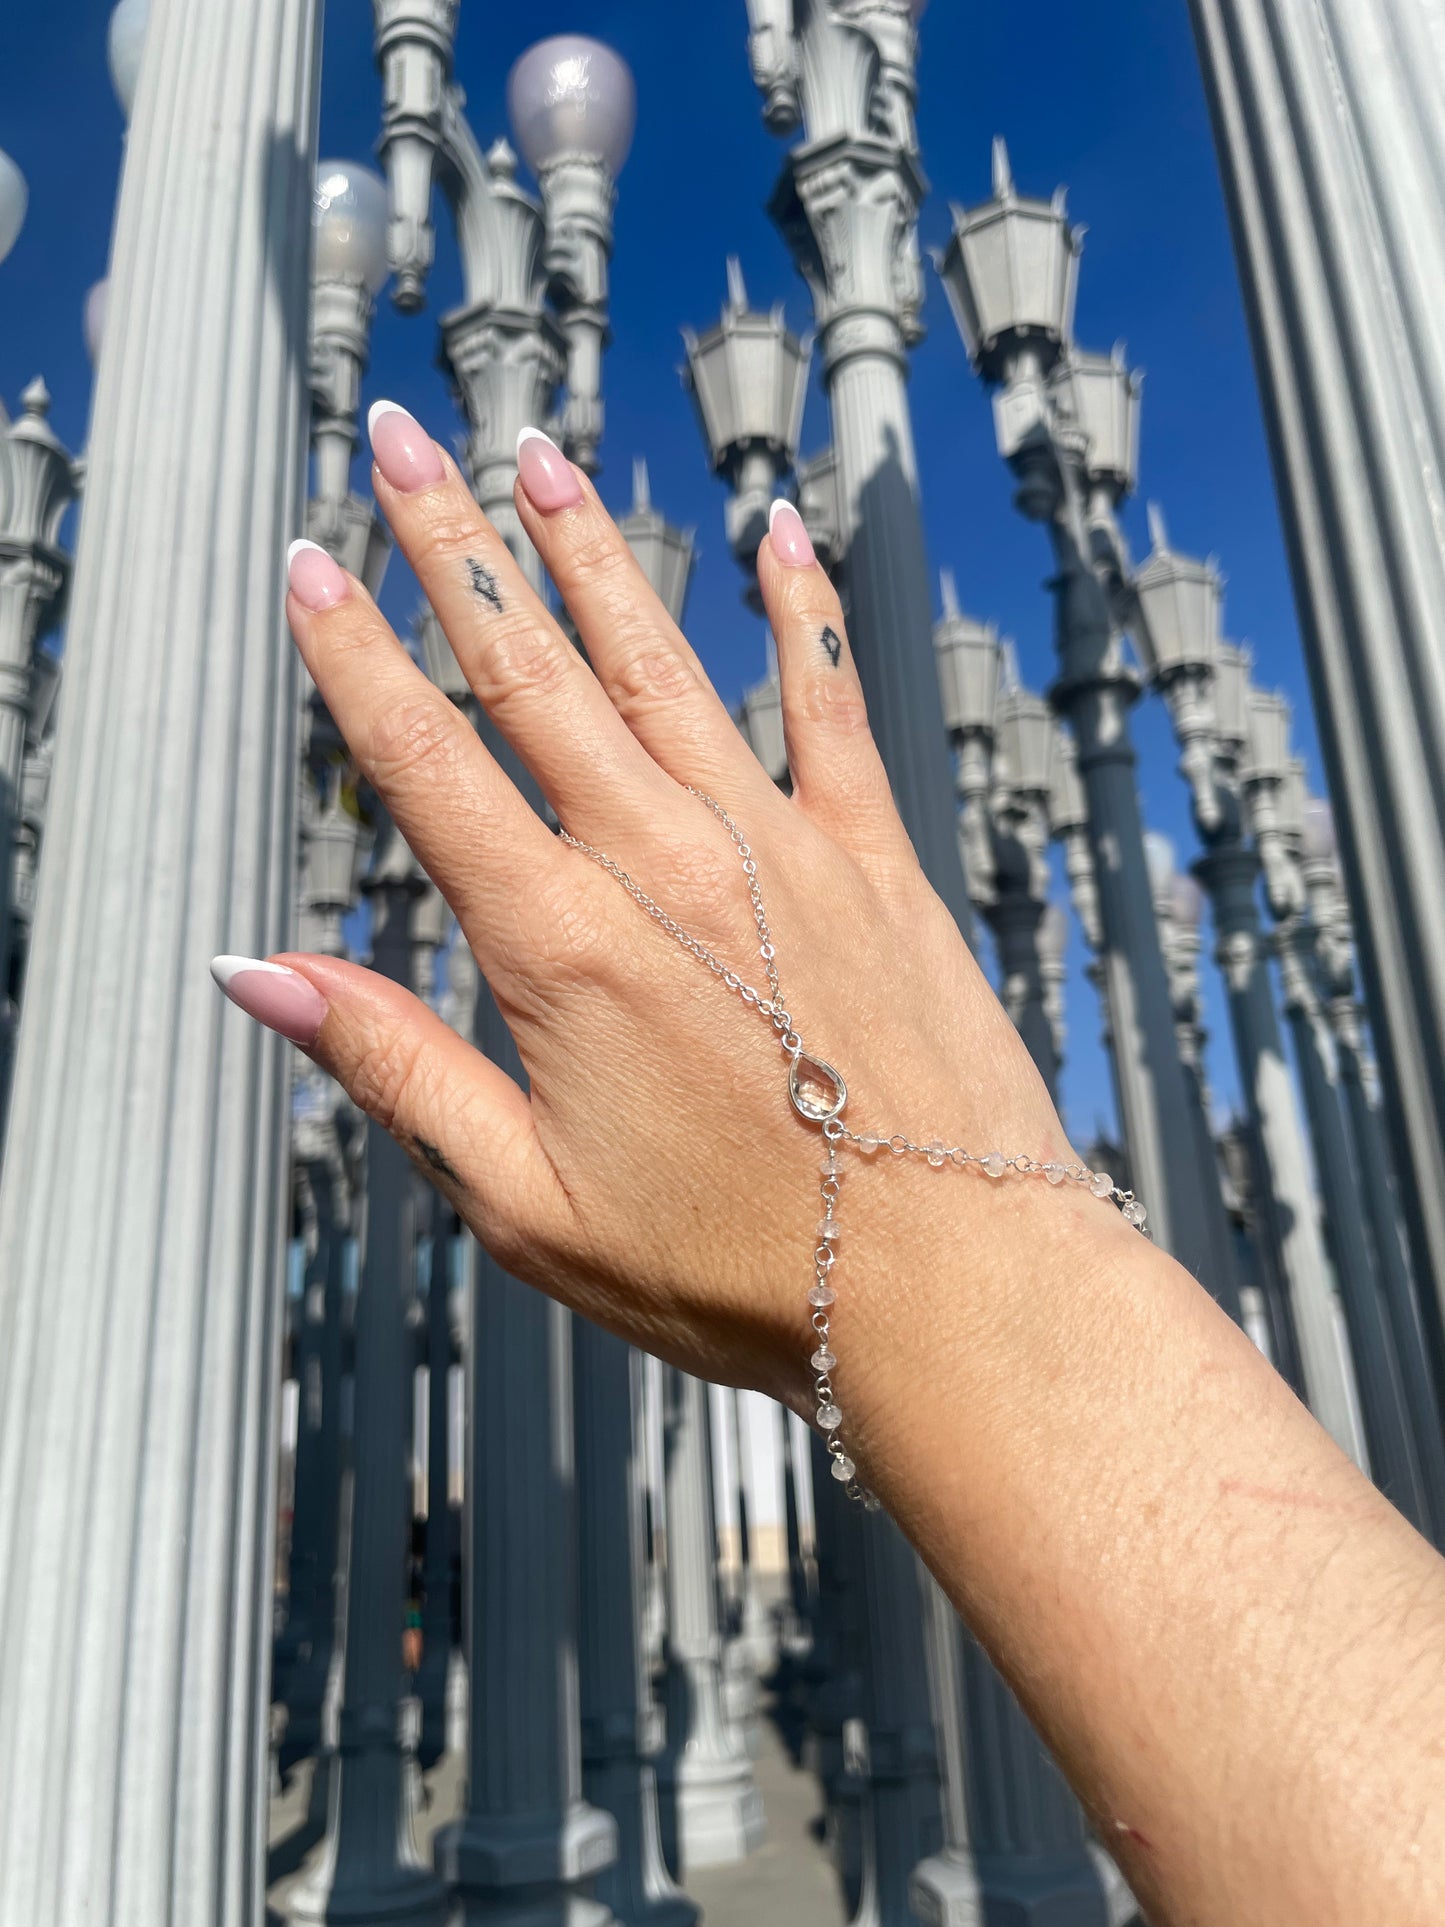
(518,663)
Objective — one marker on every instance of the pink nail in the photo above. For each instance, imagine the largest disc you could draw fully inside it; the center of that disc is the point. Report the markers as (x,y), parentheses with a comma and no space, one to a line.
(548,477)
(789,537)
(275,996)
(404,452)
(316,581)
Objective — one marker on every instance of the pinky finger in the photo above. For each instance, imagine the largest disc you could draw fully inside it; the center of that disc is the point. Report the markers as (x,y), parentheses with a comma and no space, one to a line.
(462,1120)
(838,775)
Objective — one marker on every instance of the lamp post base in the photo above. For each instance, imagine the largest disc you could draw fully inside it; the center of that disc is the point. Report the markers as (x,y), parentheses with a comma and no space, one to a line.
(957,1889)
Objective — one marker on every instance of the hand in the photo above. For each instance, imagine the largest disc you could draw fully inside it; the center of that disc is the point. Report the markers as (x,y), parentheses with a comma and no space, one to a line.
(654,1175)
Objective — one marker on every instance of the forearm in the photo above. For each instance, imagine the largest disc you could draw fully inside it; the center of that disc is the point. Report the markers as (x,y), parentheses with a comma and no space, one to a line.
(1186,1582)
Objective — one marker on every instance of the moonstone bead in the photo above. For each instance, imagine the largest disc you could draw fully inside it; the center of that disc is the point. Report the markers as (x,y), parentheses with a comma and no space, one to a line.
(823,1360)
(830,1167)
(830,1417)
(822,1294)
(1055,1173)
(1101,1184)
(843,1469)
(936,1155)
(828,1228)
(995,1164)
(1134,1212)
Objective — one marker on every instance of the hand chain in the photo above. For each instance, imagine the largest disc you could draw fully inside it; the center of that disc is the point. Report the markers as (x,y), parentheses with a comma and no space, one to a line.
(818,1094)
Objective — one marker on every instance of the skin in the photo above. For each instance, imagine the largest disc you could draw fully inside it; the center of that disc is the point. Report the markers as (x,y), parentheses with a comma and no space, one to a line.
(1234,1645)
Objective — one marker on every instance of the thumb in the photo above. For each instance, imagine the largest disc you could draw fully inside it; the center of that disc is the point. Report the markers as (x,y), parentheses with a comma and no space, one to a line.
(462,1120)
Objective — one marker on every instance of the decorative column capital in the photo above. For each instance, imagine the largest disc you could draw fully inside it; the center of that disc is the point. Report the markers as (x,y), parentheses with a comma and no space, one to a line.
(505,364)
(413,44)
(848,208)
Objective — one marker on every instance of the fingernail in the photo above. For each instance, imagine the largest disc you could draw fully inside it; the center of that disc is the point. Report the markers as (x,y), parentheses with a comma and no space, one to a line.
(790,538)
(548,477)
(316,581)
(404,452)
(275,996)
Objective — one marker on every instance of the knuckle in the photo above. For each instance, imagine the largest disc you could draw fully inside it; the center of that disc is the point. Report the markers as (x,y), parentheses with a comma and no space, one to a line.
(446,531)
(412,737)
(391,1080)
(649,678)
(833,701)
(520,660)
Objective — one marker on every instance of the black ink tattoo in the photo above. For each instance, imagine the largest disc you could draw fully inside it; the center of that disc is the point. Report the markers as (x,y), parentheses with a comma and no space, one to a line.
(432,1158)
(832,645)
(485,584)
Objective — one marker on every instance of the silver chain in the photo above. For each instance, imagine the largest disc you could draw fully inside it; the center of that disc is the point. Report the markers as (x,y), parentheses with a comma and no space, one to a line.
(825,1109)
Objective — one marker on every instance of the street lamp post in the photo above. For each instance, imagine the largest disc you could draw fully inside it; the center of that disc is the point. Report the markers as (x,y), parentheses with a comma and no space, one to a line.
(149,1540)
(748,378)
(38,482)
(527,1839)
(1179,604)
(1014,1839)
(368,1869)
(1327,140)
(349,269)
(1333,958)
(1067,426)
(621,1725)
(708,1775)
(847,205)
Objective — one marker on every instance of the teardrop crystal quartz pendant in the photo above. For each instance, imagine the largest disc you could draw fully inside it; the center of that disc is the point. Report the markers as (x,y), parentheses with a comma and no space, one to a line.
(817,1090)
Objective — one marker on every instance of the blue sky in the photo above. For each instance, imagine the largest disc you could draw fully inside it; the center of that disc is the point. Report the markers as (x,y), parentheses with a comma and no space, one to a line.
(1107,100)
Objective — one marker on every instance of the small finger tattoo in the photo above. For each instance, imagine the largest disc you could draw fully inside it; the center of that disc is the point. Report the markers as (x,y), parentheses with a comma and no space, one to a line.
(432,1158)
(485,584)
(832,645)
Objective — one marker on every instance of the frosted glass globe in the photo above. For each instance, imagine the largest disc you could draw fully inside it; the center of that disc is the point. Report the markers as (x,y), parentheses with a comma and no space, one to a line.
(1159,857)
(349,212)
(125,41)
(1187,901)
(572,96)
(14,198)
(96,302)
(1319,829)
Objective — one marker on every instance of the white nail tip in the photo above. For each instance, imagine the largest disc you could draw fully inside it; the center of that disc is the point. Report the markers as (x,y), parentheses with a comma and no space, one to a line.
(776,510)
(535,435)
(377,410)
(223,969)
(298,545)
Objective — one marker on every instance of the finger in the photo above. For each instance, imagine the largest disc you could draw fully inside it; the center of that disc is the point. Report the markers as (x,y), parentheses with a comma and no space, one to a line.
(478,840)
(466,1124)
(838,775)
(522,668)
(643,661)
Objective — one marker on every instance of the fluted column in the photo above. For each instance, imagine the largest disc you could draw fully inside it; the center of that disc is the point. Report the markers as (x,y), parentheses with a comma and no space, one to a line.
(1393,1462)
(141,1217)
(1330,124)
(436,1617)
(368,1869)
(707,1772)
(848,207)
(621,1727)
(1287,1208)
(1095,692)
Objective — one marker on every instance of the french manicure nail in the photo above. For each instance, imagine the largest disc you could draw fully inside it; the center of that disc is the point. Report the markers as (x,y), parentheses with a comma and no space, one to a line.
(279,998)
(316,581)
(789,537)
(548,477)
(404,452)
